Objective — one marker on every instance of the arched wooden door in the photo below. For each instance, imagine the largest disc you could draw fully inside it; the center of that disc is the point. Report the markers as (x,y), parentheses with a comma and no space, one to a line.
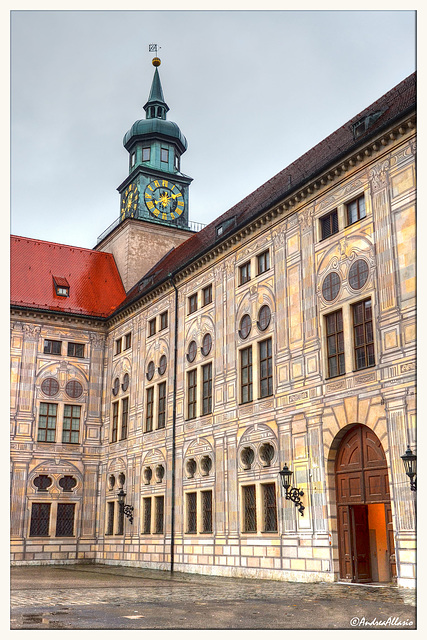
(366,544)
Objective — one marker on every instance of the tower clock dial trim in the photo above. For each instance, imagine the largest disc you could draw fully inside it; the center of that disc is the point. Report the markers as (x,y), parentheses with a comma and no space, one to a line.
(164,199)
(130,199)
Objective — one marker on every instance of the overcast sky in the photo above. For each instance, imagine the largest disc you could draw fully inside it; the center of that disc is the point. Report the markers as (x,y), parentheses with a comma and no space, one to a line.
(250,90)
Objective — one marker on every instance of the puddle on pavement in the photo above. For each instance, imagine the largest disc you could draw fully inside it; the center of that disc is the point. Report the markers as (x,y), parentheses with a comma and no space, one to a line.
(32,620)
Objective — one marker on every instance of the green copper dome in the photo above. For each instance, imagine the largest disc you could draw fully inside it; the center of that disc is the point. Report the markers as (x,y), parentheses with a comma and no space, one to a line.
(155,122)
(155,126)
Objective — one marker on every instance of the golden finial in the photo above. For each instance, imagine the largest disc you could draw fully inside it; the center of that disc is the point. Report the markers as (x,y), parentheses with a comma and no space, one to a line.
(156,62)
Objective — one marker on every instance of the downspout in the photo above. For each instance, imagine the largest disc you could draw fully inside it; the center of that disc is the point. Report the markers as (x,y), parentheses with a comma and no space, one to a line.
(175,367)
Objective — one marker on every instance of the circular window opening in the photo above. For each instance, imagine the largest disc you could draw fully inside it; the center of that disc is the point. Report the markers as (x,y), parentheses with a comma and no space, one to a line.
(191,468)
(150,370)
(245,326)
(125,383)
(206,465)
(42,482)
(160,472)
(148,474)
(331,286)
(247,457)
(264,317)
(116,386)
(207,344)
(266,453)
(358,274)
(192,350)
(162,365)
(73,389)
(50,387)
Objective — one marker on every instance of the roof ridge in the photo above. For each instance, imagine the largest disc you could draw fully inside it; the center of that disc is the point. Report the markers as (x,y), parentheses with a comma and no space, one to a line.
(59,244)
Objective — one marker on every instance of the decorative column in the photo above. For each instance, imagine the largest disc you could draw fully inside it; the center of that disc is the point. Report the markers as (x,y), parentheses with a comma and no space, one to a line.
(94,404)
(25,403)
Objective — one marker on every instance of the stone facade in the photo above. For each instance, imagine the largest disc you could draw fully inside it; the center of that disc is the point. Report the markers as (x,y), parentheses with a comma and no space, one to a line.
(222,466)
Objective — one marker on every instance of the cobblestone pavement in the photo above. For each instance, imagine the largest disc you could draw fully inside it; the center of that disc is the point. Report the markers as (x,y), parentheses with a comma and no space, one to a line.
(110,597)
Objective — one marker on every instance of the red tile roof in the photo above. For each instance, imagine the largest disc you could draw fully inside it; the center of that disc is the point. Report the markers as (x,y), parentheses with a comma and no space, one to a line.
(95,285)
(392,106)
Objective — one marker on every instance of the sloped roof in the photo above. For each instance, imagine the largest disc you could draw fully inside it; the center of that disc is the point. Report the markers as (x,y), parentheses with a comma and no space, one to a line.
(391,106)
(95,285)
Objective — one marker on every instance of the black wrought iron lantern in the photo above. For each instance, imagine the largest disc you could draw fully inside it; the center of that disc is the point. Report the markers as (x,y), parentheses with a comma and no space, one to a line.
(291,493)
(410,462)
(126,509)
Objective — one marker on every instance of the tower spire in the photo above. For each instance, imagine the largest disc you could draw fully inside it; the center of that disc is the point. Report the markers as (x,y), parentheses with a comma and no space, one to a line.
(156,106)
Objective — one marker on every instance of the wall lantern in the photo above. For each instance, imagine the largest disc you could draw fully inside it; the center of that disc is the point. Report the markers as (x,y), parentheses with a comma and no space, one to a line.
(292,493)
(410,462)
(126,509)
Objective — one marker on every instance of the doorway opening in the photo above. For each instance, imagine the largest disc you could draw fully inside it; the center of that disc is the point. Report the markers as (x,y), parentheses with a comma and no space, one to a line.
(365,529)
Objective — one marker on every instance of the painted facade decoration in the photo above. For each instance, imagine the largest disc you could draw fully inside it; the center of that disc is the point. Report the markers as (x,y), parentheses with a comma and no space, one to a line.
(282,335)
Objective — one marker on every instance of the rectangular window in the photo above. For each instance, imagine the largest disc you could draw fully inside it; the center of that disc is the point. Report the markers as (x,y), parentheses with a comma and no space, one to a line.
(207,295)
(329,224)
(206,511)
(263,261)
(152,327)
(150,407)
(40,516)
(192,303)
(75,350)
(159,516)
(118,346)
(146,154)
(47,422)
(164,320)
(249,509)
(120,522)
(65,520)
(364,354)
(246,374)
(164,155)
(132,159)
(71,424)
(356,210)
(161,417)
(110,519)
(207,388)
(335,344)
(115,422)
(53,347)
(125,416)
(266,368)
(191,512)
(269,506)
(192,394)
(128,340)
(146,525)
(245,272)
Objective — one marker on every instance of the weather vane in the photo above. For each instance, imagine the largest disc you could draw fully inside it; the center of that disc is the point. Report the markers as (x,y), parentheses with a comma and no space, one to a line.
(153,48)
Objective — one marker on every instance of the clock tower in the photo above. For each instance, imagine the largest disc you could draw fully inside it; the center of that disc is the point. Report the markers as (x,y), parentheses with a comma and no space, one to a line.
(155,189)
(154,196)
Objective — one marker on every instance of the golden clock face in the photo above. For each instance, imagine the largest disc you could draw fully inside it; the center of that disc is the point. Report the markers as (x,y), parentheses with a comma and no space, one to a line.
(130,199)
(164,200)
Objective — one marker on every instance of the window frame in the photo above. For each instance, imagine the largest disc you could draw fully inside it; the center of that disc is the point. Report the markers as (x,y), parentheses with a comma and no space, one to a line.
(62,522)
(357,202)
(70,419)
(268,359)
(164,321)
(339,355)
(146,154)
(75,348)
(50,345)
(152,327)
(191,512)
(149,415)
(192,303)
(332,219)
(118,346)
(124,418)
(249,510)
(37,519)
(46,429)
(161,405)
(207,385)
(248,366)
(244,273)
(114,421)
(367,343)
(192,394)
(128,341)
(207,293)
(263,257)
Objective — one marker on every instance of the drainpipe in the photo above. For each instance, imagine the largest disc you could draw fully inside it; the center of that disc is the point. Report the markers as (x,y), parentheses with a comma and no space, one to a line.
(175,367)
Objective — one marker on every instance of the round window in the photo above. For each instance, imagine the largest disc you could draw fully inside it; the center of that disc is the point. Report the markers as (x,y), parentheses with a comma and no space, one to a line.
(50,387)
(192,350)
(358,274)
(264,317)
(247,457)
(331,286)
(162,365)
(245,326)
(150,370)
(116,386)
(125,383)
(73,389)
(207,344)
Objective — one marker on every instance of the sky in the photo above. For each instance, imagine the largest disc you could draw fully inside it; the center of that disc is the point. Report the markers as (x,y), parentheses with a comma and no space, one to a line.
(251,90)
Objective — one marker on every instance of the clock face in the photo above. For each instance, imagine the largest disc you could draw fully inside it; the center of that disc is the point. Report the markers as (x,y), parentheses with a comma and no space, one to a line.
(130,199)
(164,200)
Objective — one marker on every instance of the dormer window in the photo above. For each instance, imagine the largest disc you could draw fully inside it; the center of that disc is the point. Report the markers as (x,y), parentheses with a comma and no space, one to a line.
(62,288)
(365,123)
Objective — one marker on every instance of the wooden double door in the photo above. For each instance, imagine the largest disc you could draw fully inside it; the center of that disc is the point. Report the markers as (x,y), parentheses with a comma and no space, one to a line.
(365,530)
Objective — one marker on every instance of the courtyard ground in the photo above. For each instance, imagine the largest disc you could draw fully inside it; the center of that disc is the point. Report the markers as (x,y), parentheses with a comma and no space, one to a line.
(95,597)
